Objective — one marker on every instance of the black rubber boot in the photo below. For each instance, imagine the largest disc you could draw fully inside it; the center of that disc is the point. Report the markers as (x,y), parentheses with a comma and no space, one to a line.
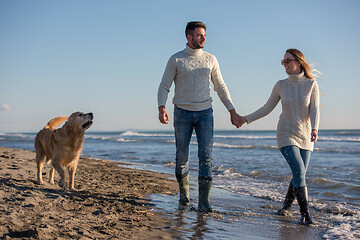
(204,191)
(289,199)
(302,198)
(183,181)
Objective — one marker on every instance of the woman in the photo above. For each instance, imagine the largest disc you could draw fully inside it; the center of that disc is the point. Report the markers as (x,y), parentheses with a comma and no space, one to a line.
(297,129)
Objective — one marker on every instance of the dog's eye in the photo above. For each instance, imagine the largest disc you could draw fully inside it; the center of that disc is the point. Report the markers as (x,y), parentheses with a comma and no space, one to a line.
(80,115)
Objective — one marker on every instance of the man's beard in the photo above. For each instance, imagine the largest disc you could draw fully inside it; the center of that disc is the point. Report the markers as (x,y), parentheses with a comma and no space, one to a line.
(197,45)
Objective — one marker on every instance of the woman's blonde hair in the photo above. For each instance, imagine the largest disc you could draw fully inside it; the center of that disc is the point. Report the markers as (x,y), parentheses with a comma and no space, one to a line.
(309,71)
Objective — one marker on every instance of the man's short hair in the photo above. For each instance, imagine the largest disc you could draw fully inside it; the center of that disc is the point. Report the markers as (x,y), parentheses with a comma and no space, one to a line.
(190,27)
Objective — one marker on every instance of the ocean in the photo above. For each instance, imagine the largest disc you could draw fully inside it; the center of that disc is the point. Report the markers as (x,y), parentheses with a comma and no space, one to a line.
(246,163)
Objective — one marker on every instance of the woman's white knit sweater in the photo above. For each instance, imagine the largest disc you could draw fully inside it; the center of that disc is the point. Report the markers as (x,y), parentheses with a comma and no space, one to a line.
(192,71)
(300,110)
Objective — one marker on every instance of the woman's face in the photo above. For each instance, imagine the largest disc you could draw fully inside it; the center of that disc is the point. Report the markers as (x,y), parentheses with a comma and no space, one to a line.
(291,65)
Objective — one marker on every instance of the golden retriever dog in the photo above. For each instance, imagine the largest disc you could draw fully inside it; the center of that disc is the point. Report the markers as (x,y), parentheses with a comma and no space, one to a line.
(61,146)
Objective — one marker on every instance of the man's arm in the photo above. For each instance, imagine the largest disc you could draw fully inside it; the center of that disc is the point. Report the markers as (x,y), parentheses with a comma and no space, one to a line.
(220,86)
(164,89)
(224,95)
(165,85)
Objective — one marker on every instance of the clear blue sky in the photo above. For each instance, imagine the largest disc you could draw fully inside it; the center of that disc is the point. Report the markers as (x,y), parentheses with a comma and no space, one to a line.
(108,57)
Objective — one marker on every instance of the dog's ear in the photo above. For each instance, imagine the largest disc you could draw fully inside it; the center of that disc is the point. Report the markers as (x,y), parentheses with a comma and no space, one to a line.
(68,127)
(62,134)
(66,130)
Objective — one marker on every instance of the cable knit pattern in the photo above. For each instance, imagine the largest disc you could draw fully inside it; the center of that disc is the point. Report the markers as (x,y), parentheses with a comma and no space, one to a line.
(300,110)
(191,70)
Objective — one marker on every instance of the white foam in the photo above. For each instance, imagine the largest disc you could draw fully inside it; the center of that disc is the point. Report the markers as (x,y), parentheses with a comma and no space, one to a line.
(233,181)
(136,134)
(98,137)
(20,135)
(170,164)
(245,136)
(347,216)
(224,145)
(348,230)
(125,140)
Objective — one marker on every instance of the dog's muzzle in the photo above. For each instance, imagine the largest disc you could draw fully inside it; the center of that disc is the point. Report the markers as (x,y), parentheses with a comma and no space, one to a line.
(90,122)
(87,124)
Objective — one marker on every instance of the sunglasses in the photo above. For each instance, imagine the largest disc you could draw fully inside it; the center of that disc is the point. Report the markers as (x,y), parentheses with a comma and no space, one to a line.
(286,61)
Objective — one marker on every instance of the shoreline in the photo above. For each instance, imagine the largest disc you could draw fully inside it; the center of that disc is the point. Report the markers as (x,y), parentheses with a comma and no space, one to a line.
(116,202)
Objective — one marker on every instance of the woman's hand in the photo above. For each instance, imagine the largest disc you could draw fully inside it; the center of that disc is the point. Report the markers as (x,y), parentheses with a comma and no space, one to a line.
(236,119)
(314,135)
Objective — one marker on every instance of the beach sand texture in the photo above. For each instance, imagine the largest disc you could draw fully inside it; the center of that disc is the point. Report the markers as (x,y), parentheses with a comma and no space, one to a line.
(112,202)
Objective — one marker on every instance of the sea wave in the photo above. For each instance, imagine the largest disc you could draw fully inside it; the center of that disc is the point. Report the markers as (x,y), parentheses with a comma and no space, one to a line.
(224,145)
(18,135)
(137,134)
(347,150)
(332,184)
(348,132)
(126,140)
(339,139)
(95,137)
(244,136)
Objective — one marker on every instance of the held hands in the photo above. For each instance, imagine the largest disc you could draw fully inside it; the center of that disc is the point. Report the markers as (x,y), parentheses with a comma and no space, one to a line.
(236,119)
(163,115)
(314,135)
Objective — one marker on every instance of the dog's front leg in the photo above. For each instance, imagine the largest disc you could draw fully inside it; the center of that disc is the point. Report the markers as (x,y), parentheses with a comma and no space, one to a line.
(72,169)
(40,158)
(51,175)
(61,172)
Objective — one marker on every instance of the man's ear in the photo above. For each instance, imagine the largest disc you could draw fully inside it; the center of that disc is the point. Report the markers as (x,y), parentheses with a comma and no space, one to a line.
(189,38)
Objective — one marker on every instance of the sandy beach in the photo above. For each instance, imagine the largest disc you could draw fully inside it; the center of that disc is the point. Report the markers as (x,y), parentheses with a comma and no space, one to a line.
(116,202)
(110,201)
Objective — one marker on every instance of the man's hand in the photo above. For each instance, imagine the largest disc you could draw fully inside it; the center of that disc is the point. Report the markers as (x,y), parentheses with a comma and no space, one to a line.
(236,119)
(163,115)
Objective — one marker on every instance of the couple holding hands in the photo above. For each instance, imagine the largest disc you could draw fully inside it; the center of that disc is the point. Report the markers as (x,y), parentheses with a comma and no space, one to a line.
(192,70)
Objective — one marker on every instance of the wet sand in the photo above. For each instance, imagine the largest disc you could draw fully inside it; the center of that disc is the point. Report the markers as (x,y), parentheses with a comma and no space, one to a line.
(116,202)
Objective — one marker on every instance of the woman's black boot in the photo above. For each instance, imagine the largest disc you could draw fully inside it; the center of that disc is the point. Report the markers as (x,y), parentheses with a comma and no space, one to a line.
(289,199)
(302,198)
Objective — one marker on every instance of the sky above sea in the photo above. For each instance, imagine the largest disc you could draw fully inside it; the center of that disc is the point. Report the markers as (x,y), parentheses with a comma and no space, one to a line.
(108,57)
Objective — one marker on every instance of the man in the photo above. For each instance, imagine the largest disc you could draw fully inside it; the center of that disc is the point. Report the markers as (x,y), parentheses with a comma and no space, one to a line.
(192,70)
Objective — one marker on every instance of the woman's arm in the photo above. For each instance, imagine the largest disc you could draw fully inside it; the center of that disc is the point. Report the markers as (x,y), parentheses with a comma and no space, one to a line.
(315,111)
(268,107)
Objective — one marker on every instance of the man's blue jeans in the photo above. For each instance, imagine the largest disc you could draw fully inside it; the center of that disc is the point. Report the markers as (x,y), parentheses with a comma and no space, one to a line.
(184,123)
(298,160)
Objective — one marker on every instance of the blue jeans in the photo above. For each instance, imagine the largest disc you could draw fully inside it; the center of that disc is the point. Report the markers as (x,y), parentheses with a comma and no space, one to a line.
(298,160)
(184,123)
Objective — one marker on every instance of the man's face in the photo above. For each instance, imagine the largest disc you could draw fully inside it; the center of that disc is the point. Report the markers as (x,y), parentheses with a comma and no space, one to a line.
(197,40)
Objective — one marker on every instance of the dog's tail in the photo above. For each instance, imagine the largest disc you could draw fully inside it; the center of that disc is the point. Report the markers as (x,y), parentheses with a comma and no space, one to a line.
(55,122)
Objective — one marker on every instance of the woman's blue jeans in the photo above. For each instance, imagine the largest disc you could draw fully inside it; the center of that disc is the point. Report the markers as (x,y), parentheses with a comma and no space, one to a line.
(298,160)
(184,123)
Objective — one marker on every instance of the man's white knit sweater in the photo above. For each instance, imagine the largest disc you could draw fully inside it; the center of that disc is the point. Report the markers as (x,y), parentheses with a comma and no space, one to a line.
(192,71)
(300,110)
